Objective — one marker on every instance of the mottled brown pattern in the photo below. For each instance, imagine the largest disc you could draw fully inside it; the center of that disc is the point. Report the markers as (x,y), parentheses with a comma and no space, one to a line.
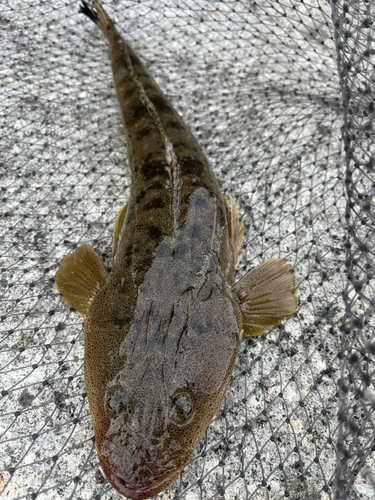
(162,330)
(149,222)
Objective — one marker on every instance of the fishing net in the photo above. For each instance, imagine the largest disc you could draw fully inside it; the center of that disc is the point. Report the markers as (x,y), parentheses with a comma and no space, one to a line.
(280,95)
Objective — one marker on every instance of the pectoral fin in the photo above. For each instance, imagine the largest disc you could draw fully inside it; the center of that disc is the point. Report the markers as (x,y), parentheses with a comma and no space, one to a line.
(266,295)
(119,222)
(80,277)
(235,229)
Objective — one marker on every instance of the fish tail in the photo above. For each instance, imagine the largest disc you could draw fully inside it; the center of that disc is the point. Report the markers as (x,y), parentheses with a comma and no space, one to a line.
(94,10)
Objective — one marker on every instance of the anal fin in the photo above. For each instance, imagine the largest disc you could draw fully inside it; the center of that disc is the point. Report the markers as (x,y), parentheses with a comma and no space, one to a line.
(266,295)
(80,277)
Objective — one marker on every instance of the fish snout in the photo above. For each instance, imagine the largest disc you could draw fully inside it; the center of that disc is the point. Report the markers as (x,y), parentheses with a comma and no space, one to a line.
(140,489)
(137,471)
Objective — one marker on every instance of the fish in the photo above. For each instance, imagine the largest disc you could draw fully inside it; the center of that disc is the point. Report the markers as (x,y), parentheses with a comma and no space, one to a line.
(163,327)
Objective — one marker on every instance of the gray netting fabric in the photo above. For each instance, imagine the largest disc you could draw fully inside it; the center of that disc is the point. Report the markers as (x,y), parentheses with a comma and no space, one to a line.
(280,95)
(356,439)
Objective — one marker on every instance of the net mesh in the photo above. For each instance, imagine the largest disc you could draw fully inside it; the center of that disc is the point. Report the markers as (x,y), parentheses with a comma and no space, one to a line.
(280,95)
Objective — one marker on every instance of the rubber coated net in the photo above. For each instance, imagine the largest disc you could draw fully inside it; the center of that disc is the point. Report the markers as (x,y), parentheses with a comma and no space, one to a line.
(280,95)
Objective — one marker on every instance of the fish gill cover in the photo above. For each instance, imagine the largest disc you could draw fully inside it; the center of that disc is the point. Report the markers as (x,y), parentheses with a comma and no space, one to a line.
(280,95)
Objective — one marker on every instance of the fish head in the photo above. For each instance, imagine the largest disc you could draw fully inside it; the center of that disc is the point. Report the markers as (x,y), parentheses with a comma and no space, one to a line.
(162,387)
(147,442)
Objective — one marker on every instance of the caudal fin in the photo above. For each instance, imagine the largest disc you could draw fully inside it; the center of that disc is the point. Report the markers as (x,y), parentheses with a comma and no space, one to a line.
(94,10)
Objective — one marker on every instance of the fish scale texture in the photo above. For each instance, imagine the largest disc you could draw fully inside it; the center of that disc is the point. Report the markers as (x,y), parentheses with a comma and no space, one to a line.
(280,96)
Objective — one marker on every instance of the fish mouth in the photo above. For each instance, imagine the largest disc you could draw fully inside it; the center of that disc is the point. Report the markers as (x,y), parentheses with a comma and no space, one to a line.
(128,489)
(140,482)
(133,491)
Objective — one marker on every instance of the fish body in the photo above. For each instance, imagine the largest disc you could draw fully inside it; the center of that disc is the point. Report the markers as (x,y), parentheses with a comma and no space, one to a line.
(163,328)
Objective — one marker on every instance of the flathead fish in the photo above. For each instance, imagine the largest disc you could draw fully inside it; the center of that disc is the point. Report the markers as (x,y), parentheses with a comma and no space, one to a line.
(163,328)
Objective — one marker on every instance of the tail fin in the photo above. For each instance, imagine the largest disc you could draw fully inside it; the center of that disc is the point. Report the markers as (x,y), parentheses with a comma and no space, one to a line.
(94,10)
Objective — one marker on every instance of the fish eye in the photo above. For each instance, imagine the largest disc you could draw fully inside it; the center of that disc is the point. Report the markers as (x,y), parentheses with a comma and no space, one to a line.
(182,409)
(116,400)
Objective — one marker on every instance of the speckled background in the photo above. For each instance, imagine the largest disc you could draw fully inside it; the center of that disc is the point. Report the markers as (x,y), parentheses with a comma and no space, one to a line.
(280,96)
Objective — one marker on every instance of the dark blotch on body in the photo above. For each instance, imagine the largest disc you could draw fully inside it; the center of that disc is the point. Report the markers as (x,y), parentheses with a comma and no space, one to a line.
(135,61)
(129,92)
(121,322)
(182,144)
(125,80)
(151,169)
(155,203)
(161,105)
(119,62)
(145,132)
(149,86)
(146,263)
(140,196)
(139,112)
(193,165)
(156,185)
(128,251)
(174,124)
(154,232)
